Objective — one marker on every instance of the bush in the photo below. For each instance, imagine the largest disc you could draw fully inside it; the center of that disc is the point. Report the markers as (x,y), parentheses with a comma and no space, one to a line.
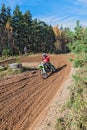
(6,52)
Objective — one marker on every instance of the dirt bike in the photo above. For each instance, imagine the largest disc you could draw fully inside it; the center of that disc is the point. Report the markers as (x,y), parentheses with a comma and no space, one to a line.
(45,69)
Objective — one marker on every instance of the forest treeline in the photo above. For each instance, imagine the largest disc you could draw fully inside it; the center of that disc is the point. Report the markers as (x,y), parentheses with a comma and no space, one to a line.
(18,30)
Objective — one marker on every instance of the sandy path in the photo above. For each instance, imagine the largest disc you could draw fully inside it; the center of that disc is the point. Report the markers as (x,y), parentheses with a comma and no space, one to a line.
(24,96)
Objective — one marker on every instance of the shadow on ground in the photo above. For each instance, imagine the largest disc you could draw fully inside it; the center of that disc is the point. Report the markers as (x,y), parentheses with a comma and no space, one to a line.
(29,69)
(58,69)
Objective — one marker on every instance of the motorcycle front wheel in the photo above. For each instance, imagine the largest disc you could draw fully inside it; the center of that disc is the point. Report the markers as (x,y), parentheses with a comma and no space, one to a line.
(43,75)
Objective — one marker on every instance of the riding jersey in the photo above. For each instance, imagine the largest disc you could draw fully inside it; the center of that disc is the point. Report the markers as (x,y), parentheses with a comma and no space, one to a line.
(46,59)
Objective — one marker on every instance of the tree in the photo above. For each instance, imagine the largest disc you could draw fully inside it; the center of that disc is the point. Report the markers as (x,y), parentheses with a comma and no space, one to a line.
(43,36)
(79,45)
(18,26)
(19,30)
(5,16)
(27,30)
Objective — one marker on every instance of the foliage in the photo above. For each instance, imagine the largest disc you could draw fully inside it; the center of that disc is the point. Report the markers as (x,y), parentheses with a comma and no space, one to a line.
(9,72)
(79,45)
(6,52)
(19,30)
(74,114)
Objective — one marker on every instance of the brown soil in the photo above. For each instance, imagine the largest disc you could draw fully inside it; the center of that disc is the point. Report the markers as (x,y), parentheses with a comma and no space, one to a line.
(24,96)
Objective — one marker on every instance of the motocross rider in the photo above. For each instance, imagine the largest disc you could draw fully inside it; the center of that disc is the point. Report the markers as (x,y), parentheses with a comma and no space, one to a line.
(46,60)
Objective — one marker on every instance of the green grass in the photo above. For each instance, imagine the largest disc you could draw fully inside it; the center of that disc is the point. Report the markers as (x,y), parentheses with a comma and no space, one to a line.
(74,113)
(9,72)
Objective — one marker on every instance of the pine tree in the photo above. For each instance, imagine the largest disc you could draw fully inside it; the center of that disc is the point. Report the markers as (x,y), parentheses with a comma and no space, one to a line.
(18,26)
(79,45)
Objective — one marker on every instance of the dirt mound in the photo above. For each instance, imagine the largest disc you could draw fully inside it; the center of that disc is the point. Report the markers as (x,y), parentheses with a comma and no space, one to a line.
(24,96)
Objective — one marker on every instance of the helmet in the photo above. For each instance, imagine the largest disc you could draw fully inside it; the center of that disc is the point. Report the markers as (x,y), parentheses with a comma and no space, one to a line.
(44,54)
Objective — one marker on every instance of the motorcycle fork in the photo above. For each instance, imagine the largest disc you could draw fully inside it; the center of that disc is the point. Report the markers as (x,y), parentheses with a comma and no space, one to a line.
(44,70)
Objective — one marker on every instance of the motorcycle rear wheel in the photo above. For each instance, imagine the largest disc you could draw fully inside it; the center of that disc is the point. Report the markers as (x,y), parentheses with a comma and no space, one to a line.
(53,69)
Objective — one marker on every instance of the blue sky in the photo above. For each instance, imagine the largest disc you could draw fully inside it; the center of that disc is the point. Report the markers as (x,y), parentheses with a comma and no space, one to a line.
(53,12)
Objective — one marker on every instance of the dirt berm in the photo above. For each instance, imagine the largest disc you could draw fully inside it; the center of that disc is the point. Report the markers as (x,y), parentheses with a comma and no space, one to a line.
(24,96)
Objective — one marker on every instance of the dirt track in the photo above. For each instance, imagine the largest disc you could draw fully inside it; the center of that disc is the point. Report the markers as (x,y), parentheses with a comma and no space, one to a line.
(24,96)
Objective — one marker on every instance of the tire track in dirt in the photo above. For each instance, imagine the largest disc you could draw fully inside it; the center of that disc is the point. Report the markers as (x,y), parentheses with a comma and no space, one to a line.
(24,96)
(18,105)
(38,89)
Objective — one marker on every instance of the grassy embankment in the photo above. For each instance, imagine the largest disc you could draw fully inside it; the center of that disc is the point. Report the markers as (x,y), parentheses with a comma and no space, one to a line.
(74,112)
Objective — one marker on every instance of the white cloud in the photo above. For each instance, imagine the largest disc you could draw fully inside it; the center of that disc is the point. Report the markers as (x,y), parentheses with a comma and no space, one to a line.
(57,19)
(64,21)
(53,20)
(84,23)
(81,2)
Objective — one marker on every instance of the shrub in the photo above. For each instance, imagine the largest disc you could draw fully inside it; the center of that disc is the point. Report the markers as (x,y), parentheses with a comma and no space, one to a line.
(6,52)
